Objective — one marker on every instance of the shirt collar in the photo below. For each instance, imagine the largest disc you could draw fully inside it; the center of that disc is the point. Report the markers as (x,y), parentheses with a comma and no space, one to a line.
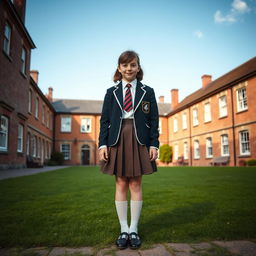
(133,83)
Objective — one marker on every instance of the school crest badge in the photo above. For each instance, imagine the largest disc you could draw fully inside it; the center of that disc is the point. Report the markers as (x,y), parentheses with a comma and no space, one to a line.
(145,107)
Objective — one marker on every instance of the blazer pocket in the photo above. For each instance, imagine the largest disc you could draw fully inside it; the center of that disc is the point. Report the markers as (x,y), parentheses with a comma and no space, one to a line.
(147,125)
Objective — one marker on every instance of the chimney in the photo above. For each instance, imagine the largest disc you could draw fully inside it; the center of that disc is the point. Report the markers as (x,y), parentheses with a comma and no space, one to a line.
(20,6)
(49,95)
(161,99)
(34,74)
(206,79)
(174,97)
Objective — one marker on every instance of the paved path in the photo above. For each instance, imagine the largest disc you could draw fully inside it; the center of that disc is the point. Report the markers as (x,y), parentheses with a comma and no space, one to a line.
(12,173)
(214,248)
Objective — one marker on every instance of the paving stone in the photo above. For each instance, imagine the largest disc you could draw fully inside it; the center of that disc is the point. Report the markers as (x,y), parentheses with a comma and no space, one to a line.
(57,251)
(106,251)
(158,250)
(127,252)
(180,247)
(5,252)
(201,246)
(38,251)
(243,248)
(81,250)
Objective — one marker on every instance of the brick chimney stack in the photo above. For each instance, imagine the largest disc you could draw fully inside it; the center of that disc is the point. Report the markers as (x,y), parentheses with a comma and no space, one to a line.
(34,74)
(49,95)
(161,99)
(20,6)
(206,79)
(174,97)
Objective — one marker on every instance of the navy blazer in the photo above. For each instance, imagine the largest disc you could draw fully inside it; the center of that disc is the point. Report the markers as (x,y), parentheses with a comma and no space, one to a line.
(145,120)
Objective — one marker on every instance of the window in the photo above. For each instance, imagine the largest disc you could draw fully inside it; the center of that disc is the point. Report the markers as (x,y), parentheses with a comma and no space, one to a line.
(175,124)
(160,126)
(48,119)
(195,117)
(23,60)
(223,110)
(86,125)
(20,138)
(50,150)
(196,149)
(224,145)
(207,112)
(34,146)
(28,144)
(176,152)
(184,121)
(37,107)
(244,143)
(208,147)
(4,133)
(43,114)
(46,150)
(65,149)
(66,124)
(241,99)
(30,101)
(7,39)
(39,148)
(185,150)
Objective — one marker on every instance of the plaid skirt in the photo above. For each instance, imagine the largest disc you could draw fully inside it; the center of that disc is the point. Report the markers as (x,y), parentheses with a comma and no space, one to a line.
(128,158)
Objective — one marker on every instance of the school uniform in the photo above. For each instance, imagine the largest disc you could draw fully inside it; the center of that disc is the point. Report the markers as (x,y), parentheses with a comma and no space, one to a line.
(129,136)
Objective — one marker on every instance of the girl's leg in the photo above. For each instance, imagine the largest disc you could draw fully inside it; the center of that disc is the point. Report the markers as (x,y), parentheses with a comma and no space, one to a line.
(122,186)
(135,185)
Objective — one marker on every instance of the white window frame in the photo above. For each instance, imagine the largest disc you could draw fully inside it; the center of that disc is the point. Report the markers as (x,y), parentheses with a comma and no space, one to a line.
(37,108)
(195,117)
(207,112)
(4,132)
(244,143)
(208,147)
(64,126)
(20,138)
(28,144)
(43,114)
(39,148)
(23,60)
(7,38)
(30,101)
(175,124)
(86,125)
(223,107)
(185,150)
(160,126)
(184,121)
(196,149)
(34,144)
(176,152)
(224,145)
(241,95)
(48,119)
(66,152)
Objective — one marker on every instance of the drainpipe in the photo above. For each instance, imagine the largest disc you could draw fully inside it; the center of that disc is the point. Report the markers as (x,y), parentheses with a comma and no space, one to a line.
(233,125)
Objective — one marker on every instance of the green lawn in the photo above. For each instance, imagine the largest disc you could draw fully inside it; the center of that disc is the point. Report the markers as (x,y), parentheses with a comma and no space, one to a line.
(75,207)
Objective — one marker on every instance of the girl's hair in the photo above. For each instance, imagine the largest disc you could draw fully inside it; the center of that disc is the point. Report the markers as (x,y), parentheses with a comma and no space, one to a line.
(125,58)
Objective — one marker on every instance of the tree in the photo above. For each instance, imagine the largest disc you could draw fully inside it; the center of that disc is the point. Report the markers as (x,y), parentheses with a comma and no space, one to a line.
(166,153)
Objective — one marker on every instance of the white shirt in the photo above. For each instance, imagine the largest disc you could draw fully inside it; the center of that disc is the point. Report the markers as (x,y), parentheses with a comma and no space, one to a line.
(129,115)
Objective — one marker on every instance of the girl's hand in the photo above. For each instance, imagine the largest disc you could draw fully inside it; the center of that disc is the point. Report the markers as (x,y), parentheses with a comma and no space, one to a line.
(153,154)
(103,154)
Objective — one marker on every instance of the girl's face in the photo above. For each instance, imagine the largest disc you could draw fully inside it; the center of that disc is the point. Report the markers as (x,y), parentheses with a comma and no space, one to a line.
(129,70)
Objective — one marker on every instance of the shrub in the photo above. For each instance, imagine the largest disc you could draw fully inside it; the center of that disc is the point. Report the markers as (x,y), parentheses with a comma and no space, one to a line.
(242,162)
(57,157)
(251,162)
(165,153)
(52,163)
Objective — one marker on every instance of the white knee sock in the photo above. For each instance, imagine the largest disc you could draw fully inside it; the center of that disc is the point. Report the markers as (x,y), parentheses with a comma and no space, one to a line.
(121,208)
(135,215)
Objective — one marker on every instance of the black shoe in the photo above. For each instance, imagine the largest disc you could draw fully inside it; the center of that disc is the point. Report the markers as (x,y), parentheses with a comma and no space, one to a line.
(122,240)
(134,240)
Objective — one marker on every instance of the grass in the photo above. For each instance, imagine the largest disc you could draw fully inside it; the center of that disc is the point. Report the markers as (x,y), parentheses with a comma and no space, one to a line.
(75,207)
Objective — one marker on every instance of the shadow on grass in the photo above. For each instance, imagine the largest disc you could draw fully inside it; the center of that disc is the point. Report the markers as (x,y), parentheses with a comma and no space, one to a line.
(165,226)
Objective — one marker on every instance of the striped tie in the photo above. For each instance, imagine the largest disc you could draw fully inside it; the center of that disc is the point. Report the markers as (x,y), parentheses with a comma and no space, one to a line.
(128,99)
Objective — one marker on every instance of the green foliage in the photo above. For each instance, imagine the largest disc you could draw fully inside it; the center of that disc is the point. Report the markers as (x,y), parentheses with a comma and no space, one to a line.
(251,162)
(57,158)
(165,153)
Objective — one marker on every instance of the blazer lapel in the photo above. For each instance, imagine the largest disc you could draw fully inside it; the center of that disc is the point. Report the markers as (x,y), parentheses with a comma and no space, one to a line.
(118,92)
(140,92)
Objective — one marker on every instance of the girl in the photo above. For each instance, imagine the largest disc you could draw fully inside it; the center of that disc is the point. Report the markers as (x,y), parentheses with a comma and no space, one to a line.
(128,141)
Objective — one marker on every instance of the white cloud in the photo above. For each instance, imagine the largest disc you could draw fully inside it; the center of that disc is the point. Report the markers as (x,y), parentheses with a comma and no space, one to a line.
(199,34)
(239,7)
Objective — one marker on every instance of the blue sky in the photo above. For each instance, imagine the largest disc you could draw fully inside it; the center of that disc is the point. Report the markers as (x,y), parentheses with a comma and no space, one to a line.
(78,42)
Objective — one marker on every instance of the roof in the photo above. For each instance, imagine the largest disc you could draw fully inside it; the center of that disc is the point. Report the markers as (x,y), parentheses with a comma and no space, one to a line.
(93,106)
(237,75)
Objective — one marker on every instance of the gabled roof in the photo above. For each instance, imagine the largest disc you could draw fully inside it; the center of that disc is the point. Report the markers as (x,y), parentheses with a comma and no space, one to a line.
(92,106)
(237,75)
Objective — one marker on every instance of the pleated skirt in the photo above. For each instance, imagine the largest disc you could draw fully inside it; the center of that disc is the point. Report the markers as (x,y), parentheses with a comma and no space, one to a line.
(128,158)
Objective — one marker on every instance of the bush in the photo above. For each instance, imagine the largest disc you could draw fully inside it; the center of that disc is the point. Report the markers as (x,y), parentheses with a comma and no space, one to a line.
(251,162)
(52,163)
(57,157)
(242,162)
(165,153)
